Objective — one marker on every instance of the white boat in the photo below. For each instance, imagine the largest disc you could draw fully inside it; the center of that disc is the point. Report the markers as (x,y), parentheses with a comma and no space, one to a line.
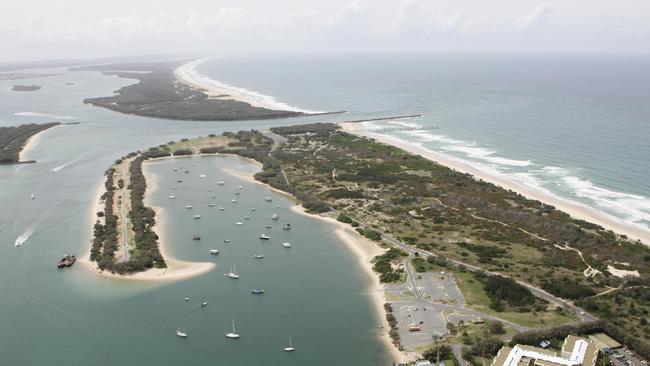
(221,208)
(259,254)
(202,176)
(232,274)
(211,205)
(275,217)
(240,187)
(239,223)
(286,245)
(214,251)
(204,304)
(290,348)
(187,299)
(172,197)
(265,237)
(247,217)
(33,196)
(233,200)
(286,227)
(196,217)
(237,193)
(268,199)
(221,183)
(233,334)
(181,333)
(188,207)
(226,240)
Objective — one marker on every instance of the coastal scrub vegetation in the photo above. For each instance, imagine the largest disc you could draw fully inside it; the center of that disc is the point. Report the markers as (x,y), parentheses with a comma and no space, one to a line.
(12,140)
(443,211)
(159,94)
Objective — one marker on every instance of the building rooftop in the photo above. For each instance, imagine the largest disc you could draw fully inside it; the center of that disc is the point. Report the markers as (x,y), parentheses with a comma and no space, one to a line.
(576,351)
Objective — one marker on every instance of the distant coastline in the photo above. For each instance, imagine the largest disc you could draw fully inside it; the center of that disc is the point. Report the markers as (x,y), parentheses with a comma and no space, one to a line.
(159,94)
(576,210)
(16,141)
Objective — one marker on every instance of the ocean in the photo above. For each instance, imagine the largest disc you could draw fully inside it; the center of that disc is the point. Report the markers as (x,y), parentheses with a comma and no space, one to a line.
(576,127)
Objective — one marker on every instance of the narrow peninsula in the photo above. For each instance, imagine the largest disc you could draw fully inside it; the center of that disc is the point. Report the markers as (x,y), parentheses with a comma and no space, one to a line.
(14,139)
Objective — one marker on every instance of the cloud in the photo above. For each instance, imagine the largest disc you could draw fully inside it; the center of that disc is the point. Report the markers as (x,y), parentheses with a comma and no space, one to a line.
(534,20)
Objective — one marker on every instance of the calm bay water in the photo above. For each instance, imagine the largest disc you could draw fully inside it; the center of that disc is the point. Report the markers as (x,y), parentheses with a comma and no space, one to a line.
(70,317)
(577,127)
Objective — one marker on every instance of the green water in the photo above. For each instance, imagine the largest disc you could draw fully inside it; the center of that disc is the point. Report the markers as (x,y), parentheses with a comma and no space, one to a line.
(314,291)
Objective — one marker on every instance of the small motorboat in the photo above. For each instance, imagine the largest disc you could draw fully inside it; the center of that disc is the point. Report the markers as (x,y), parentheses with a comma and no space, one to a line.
(179,181)
(211,205)
(204,304)
(226,240)
(33,196)
(237,193)
(196,237)
(214,251)
(240,187)
(188,207)
(257,291)
(187,299)
(221,183)
(286,227)
(265,237)
(239,223)
(268,226)
(221,208)
(286,245)
(181,333)
(268,199)
(247,217)
(233,200)
(196,217)
(275,217)
(172,197)
(253,209)
(202,176)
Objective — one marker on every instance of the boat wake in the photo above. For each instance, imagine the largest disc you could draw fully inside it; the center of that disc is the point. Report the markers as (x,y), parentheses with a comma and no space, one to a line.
(24,237)
(68,164)
(556,181)
(43,115)
(190,75)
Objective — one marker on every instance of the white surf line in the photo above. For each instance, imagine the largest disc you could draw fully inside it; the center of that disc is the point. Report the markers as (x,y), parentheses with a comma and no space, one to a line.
(188,75)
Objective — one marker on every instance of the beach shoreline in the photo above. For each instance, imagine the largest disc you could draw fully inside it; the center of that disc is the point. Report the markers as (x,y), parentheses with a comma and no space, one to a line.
(217,90)
(31,142)
(574,209)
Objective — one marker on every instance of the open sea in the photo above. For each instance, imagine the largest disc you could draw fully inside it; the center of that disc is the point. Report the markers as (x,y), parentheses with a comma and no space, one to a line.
(577,127)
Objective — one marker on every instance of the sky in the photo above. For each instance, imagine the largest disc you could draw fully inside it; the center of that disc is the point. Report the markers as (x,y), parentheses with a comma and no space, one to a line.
(66,29)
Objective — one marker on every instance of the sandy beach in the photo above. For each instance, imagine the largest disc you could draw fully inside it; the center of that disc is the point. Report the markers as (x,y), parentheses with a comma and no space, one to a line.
(576,210)
(29,144)
(184,74)
(176,269)
(187,75)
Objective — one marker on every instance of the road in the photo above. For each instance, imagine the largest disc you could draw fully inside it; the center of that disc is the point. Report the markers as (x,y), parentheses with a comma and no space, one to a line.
(124,217)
